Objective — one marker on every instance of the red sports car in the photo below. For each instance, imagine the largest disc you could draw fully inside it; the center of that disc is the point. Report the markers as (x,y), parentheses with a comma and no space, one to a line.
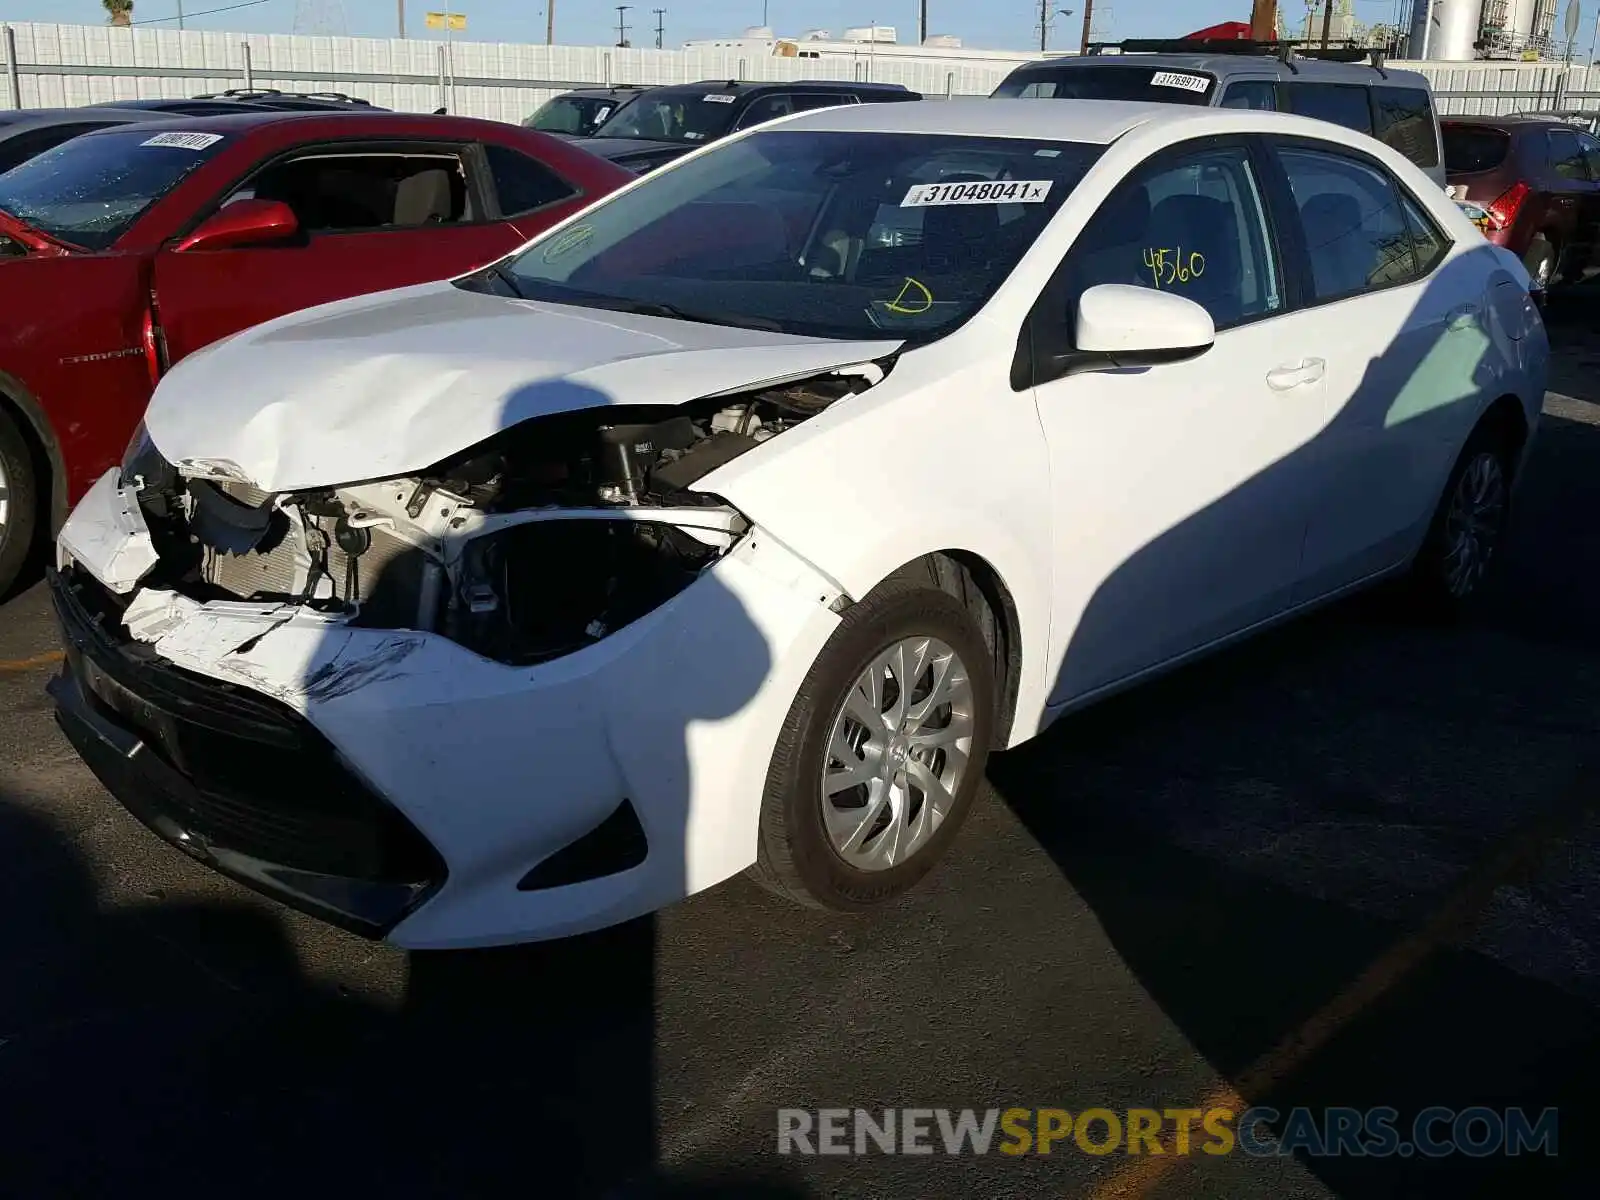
(123,250)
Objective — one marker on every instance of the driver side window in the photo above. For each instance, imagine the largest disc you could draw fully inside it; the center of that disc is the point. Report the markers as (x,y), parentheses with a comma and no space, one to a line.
(1193,224)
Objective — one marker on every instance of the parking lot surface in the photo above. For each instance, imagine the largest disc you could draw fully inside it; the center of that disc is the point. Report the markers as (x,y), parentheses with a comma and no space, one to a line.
(1354,863)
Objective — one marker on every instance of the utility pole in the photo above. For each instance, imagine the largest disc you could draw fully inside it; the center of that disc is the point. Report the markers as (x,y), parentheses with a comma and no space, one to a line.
(661,26)
(180,14)
(622,28)
(550,22)
(1088,17)
(922,24)
(1264,20)
(400,15)
(1327,19)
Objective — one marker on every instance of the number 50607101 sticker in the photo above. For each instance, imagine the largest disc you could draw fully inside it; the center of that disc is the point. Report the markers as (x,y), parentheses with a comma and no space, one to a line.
(1000,191)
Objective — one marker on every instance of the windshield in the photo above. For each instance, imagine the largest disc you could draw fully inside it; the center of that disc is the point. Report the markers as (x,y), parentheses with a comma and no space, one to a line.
(674,115)
(91,190)
(825,234)
(580,115)
(1151,84)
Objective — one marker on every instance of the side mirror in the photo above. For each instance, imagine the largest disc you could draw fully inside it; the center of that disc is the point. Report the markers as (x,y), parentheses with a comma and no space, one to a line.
(1120,326)
(243,223)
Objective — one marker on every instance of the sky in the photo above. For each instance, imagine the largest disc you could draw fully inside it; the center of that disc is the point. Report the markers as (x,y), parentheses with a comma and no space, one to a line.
(990,24)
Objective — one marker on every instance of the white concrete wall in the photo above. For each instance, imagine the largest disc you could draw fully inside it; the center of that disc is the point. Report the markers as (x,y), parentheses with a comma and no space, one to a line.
(80,64)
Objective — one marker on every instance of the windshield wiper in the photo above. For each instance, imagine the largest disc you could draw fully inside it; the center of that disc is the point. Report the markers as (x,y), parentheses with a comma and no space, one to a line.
(653,308)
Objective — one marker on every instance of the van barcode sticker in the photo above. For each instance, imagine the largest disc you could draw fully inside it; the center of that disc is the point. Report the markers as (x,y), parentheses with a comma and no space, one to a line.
(1176,79)
(1004,191)
(184,141)
(720,98)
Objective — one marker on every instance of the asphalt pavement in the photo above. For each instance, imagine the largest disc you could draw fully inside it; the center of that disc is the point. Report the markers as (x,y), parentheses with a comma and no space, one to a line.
(1354,863)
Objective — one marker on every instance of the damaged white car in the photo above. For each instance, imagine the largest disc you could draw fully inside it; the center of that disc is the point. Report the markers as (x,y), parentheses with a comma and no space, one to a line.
(731,523)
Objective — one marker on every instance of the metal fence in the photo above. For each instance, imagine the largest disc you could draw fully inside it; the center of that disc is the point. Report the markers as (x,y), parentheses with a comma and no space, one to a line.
(49,65)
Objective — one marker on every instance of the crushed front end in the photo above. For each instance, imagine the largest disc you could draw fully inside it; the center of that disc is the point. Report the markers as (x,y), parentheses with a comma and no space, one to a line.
(529,691)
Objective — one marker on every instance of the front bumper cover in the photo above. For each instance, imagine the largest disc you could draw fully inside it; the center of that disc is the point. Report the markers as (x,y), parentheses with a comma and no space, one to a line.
(500,769)
(238,781)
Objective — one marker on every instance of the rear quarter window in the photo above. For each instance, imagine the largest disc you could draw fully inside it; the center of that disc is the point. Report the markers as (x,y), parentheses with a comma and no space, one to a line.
(1403,121)
(1337,103)
(1472,148)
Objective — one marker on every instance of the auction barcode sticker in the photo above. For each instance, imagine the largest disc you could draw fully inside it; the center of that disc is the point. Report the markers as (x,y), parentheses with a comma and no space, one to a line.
(1002,191)
(1176,79)
(184,141)
(719,98)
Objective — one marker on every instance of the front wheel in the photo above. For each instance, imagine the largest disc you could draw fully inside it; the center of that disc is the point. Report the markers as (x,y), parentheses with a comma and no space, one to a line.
(18,503)
(882,753)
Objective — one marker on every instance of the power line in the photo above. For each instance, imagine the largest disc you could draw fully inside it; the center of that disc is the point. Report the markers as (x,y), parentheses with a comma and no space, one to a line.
(183,16)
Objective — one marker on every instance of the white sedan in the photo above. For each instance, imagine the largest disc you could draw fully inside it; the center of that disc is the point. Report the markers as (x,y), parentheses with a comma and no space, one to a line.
(732,523)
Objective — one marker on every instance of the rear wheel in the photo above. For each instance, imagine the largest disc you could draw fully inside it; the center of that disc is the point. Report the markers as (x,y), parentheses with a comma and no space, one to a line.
(1468,527)
(18,502)
(882,753)
(1541,259)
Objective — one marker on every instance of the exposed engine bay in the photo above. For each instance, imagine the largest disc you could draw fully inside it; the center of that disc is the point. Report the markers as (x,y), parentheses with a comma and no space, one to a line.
(544,539)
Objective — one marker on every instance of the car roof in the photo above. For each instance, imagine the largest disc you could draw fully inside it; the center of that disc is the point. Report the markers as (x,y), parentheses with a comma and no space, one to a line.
(1094,122)
(1225,65)
(323,121)
(1097,122)
(750,87)
(14,120)
(613,90)
(1508,119)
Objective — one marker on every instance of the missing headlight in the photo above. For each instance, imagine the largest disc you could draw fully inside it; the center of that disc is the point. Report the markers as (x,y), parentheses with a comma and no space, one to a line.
(547,588)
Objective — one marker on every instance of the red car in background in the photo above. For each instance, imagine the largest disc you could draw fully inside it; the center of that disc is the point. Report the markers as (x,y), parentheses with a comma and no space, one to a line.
(1537,181)
(126,249)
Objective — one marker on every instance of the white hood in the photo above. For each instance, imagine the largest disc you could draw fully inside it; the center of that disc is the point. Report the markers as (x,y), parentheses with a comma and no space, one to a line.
(387,385)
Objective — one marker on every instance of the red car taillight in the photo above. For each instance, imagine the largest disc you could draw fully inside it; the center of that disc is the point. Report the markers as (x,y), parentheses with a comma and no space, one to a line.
(1504,210)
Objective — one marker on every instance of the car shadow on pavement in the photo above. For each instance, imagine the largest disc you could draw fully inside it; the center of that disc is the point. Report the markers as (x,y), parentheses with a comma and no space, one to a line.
(210,1031)
(159,1047)
(1223,825)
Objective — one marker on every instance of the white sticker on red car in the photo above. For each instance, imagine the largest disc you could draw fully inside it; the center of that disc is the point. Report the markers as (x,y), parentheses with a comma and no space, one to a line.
(1177,79)
(183,141)
(1000,191)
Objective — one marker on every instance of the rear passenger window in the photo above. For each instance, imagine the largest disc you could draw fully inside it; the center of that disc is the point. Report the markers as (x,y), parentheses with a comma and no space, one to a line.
(1259,94)
(1566,155)
(1338,103)
(1357,236)
(352,191)
(1192,225)
(523,184)
(1403,120)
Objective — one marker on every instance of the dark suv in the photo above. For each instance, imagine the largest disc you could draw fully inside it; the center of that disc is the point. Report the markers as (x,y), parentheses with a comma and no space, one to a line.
(668,122)
(1538,180)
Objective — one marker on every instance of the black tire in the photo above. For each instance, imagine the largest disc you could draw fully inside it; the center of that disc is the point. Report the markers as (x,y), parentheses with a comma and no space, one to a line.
(795,857)
(1434,588)
(22,503)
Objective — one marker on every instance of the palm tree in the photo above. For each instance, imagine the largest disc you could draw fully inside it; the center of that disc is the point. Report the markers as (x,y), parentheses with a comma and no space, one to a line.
(121,11)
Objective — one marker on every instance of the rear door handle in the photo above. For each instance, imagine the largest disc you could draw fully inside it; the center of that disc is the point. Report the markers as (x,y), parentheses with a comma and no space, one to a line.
(1307,370)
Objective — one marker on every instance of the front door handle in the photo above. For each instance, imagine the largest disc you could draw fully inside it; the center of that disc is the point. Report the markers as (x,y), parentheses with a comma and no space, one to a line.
(1307,370)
